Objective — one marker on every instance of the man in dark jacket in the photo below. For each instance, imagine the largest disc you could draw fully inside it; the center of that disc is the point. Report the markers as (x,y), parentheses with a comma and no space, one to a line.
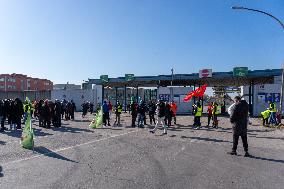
(2,116)
(57,114)
(152,110)
(168,114)
(73,109)
(239,120)
(46,114)
(18,111)
(141,113)
(105,114)
(134,113)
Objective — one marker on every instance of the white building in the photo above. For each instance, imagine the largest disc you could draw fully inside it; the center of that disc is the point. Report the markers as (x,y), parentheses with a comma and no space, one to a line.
(262,94)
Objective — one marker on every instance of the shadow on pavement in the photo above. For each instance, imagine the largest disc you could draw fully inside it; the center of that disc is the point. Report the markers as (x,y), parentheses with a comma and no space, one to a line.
(207,139)
(260,131)
(46,152)
(275,138)
(1,170)
(70,129)
(2,143)
(267,159)
(83,120)
(18,133)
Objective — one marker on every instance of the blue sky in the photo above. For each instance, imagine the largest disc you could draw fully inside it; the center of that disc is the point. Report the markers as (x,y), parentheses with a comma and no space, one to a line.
(73,40)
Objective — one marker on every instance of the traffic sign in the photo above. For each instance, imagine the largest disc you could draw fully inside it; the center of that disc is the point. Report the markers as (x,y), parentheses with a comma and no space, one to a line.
(205,73)
(240,71)
(104,78)
(129,77)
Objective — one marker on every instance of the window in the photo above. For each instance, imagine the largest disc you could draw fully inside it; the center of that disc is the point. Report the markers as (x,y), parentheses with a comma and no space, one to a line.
(11,80)
(2,87)
(2,79)
(11,87)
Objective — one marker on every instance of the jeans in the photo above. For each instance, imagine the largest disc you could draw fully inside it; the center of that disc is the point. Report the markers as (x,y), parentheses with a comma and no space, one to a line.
(140,120)
(160,121)
(272,118)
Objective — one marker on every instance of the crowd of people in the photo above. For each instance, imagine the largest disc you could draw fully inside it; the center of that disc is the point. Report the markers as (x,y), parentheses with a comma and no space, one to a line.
(14,112)
(166,113)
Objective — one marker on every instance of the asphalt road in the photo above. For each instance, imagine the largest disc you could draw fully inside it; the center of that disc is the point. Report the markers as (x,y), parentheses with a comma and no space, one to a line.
(75,156)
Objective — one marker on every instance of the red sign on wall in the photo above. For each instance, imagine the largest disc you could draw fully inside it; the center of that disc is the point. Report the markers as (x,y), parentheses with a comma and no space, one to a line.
(205,73)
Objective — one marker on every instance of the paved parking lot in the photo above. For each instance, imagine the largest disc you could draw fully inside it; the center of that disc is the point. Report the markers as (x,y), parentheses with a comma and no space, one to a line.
(75,156)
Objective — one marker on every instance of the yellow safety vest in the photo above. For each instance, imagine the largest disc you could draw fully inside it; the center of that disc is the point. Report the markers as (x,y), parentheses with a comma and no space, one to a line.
(265,114)
(119,109)
(199,112)
(217,111)
(272,109)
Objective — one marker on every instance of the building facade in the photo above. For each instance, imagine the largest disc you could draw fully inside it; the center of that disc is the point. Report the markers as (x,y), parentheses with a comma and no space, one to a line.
(261,94)
(19,82)
(66,87)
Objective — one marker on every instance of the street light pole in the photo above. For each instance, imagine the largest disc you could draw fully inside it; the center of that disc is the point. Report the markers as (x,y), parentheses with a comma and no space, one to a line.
(172,90)
(282,25)
(259,11)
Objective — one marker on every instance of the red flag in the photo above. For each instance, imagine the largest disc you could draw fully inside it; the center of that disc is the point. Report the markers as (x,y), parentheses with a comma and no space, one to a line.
(197,93)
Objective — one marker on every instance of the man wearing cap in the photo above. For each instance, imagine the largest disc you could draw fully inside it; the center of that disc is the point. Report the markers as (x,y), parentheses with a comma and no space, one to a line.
(239,120)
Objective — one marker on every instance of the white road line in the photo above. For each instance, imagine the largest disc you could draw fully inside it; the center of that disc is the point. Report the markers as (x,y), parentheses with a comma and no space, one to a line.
(67,148)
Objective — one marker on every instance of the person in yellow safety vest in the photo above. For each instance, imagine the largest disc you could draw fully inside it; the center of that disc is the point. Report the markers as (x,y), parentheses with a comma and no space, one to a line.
(118,111)
(197,115)
(272,109)
(216,111)
(27,109)
(265,115)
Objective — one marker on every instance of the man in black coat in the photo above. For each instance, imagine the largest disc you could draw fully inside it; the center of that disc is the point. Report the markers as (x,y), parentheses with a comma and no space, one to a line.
(2,116)
(57,114)
(134,113)
(152,109)
(239,120)
(18,111)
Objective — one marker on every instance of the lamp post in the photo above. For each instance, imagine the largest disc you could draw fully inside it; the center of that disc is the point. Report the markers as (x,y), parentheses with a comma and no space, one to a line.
(172,90)
(282,25)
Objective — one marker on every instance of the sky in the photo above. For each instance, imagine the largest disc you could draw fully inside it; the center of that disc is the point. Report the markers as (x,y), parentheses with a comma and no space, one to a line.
(73,40)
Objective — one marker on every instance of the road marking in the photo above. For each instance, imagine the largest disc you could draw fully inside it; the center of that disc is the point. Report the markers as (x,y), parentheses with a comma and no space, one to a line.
(67,148)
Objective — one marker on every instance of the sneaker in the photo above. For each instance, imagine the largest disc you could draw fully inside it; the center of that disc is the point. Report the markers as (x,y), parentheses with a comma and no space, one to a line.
(152,131)
(232,153)
(247,154)
(165,133)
